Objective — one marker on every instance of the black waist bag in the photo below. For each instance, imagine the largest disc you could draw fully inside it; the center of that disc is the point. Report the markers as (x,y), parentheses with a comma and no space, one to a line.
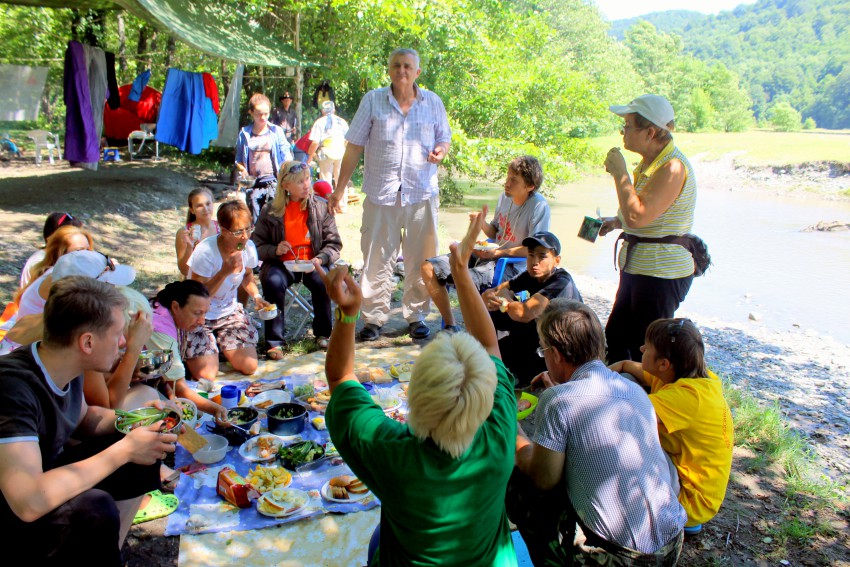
(691,242)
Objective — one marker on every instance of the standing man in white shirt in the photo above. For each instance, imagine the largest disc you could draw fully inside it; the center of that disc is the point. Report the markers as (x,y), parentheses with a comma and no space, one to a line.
(327,143)
(404,133)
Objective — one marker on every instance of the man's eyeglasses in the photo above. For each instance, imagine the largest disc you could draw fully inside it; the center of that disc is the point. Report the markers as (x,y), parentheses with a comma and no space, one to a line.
(297,168)
(541,350)
(625,127)
(240,233)
(674,328)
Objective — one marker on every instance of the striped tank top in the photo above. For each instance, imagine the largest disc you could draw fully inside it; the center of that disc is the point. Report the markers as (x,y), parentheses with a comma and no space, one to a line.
(667,261)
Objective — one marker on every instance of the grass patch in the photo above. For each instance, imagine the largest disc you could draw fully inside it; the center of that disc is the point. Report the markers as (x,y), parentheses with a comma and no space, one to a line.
(302,346)
(757,147)
(765,430)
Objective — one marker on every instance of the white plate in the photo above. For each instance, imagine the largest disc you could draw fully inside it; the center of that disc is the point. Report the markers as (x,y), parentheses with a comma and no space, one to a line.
(285,513)
(388,404)
(301,266)
(489,246)
(276,397)
(398,392)
(326,494)
(248,449)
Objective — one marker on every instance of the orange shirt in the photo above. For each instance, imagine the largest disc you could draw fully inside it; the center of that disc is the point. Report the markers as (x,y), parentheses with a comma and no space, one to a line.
(297,234)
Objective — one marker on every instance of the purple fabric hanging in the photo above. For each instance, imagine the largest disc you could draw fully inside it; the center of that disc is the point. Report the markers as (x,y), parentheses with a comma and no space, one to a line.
(81,142)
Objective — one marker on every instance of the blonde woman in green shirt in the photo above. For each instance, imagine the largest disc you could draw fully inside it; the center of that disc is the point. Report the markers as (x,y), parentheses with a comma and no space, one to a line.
(654,277)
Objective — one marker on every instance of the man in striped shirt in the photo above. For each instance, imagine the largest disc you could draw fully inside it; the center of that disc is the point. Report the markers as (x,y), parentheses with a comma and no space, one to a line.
(403,133)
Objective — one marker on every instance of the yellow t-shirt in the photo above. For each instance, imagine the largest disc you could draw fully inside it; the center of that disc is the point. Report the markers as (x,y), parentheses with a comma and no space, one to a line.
(696,431)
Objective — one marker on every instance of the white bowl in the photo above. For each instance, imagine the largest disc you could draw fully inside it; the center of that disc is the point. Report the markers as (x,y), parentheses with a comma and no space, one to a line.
(299,265)
(215,450)
(267,315)
(275,396)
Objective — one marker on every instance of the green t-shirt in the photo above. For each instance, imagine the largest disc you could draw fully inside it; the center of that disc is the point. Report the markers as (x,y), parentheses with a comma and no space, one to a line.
(436,510)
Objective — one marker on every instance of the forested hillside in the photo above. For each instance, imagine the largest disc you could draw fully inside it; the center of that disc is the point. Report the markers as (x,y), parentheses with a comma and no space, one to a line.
(786,51)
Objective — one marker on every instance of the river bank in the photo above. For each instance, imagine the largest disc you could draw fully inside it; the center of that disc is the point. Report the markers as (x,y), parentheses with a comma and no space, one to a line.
(135,209)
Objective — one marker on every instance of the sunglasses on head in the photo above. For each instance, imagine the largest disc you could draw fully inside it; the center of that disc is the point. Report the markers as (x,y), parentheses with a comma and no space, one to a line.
(66,217)
(674,328)
(297,168)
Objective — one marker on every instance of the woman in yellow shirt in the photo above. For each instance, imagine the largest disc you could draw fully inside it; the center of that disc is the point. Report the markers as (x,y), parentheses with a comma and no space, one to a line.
(296,226)
(694,421)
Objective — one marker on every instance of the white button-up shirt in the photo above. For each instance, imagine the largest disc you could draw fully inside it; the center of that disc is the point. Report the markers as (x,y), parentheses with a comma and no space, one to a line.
(396,146)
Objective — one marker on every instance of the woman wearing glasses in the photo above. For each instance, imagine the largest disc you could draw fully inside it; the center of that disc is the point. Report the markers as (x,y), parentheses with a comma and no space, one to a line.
(297,227)
(224,263)
(654,276)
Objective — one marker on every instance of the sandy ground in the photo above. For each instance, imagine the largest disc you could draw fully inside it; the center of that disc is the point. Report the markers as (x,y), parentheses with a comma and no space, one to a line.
(134,209)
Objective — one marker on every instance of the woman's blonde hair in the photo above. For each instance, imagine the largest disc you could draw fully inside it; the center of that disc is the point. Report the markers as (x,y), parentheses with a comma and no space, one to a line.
(285,175)
(57,246)
(135,301)
(451,392)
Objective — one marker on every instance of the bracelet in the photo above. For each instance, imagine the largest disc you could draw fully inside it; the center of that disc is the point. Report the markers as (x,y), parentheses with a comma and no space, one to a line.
(343,318)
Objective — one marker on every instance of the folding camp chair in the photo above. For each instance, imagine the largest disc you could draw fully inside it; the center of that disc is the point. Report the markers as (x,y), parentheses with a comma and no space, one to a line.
(294,299)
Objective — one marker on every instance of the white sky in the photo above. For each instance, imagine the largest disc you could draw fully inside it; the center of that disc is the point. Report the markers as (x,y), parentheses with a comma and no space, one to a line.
(621,9)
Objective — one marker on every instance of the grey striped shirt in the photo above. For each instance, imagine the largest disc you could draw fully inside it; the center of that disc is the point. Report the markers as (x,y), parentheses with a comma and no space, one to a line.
(615,470)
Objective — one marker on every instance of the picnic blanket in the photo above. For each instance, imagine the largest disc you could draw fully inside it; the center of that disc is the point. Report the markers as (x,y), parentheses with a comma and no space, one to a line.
(329,539)
(202,510)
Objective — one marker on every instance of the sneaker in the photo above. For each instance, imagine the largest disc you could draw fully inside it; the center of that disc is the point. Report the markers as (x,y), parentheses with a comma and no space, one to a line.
(370,332)
(693,530)
(452,329)
(418,330)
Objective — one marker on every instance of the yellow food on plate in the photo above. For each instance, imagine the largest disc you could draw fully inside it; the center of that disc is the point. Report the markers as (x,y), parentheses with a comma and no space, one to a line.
(282,501)
(323,396)
(318,423)
(270,307)
(397,370)
(265,479)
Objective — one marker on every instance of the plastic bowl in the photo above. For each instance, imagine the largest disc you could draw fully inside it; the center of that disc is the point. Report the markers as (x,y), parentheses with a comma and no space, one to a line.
(123,427)
(155,363)
(267,315)
(215,450)
(286,426)
(299,265)
(265,400)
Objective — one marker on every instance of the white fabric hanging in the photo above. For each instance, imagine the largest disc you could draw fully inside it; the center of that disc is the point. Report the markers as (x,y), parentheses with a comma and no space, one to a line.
(228,118)
(21,88)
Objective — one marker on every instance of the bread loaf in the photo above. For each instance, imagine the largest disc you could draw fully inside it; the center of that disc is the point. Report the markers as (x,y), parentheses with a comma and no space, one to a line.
(342,481)
(356,486)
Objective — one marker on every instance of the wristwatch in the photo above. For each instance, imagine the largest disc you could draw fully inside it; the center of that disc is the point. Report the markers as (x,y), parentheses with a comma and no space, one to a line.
(340,316)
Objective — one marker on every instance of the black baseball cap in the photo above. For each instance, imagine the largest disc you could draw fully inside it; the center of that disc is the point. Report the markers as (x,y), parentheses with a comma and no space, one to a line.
(545,239)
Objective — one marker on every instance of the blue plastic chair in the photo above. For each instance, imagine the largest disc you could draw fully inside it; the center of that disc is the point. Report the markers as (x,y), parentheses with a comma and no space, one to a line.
(499,275)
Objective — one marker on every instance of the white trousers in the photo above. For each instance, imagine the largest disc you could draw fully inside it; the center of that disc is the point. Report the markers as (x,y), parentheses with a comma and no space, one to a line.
(385,229)
(329,171)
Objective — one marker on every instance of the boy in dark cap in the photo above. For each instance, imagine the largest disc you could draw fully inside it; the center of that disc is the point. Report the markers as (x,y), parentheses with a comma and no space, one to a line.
(515,320)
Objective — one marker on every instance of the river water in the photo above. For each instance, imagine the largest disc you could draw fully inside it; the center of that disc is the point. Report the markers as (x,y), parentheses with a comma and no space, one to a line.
(763,263)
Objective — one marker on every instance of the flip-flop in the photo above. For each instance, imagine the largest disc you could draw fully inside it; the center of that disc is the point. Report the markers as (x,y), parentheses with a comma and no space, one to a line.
(159,506)
(274,353)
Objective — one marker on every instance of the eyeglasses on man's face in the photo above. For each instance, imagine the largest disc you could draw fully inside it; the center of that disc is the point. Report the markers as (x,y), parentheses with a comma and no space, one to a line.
(541,350)
(243,232)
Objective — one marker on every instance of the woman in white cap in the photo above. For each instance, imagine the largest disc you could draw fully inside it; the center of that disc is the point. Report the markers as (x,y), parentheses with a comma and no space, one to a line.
(657,204)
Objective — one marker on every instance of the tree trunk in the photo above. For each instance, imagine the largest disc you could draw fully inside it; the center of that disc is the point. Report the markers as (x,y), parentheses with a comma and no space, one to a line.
(170,48)
(225,81)
(152,50)
(88,26)
(141,49)
(122,45)
(299,75)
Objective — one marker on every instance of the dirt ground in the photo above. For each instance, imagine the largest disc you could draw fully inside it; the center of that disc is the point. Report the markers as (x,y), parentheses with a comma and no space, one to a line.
(134,210)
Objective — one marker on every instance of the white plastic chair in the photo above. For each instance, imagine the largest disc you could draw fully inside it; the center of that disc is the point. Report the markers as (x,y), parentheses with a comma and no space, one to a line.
(145,134)
(47,141)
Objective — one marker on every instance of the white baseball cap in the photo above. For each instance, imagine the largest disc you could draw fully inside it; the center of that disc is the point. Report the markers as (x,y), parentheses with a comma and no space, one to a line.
(654,108)
(93,265)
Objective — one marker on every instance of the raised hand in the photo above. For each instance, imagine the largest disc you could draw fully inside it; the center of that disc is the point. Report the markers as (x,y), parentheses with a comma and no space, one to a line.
(460,252)
(615,163)
(342,289)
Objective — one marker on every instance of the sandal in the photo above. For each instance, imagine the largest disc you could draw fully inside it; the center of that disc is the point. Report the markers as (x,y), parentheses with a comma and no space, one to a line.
(274,353)
(323,343)
(159,506)
(169,483)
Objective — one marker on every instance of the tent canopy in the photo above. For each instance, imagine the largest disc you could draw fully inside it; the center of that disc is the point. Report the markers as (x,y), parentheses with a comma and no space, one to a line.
(205,25)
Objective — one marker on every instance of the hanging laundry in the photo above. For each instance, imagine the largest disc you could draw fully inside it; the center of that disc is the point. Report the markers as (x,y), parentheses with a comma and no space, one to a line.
(228,120)
(114,100)
(139,84)
(98,85)
(21,88)
(82,144)
(211,90)
(186,117)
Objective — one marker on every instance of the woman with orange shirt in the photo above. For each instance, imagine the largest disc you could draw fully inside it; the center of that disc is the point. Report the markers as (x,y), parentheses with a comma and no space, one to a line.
(295,226)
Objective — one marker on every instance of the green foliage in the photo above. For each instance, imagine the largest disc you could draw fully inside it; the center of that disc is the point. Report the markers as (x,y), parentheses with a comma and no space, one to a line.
(705,97)
(784,118)
(797,51)
(809,124)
